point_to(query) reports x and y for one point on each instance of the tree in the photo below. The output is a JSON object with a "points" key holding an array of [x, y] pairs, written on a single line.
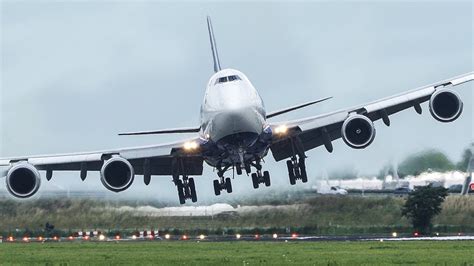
{"points": [[422, 205], [420, 162]]}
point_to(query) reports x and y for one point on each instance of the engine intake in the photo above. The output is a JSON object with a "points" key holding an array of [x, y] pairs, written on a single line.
{"points": [[117, 174], [445, 105], [23, 180], [358, 131]]}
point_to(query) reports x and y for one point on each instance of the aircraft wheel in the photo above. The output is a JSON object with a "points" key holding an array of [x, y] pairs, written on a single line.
{"points": [[304, 176], [255, 180], [248, 169], [192, 188], [217, 188], [228, 185], [180, 188], [266, 177], [291, 173], [238, 168]]}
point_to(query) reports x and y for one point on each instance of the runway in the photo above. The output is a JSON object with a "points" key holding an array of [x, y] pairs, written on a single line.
{"points": [[233, 238]]}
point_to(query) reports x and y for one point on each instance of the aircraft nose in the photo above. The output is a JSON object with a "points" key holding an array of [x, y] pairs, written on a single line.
{"points": [[237, 124]]}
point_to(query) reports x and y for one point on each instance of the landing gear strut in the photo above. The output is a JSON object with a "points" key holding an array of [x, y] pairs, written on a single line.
{"points": [[297, 169], [186, 189], [223, 183], [258, 177]]}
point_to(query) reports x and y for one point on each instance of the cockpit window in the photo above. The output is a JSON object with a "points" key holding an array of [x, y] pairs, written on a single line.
{"points": [[228, 79]]}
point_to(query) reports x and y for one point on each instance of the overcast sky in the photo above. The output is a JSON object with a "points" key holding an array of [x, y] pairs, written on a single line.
{"points": [[76, 74]]}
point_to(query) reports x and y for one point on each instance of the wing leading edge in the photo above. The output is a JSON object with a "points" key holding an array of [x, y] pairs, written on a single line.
{"points": [[315, 131]]}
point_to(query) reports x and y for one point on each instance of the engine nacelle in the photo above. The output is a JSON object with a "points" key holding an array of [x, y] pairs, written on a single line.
{"points": [[445, 105], [117, 174], [358, 131], [23, 180]]}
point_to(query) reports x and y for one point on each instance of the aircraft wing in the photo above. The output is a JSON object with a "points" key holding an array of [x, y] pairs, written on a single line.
{"points": [[308, 133], [158, 158]]}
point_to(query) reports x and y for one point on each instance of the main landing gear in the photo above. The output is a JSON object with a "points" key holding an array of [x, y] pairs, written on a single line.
{"points": [[186, 188], [297, 169], [258, 177], [223, 183]]}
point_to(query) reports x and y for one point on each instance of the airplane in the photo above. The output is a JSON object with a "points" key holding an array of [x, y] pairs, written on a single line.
{"points": [[234, 134]]}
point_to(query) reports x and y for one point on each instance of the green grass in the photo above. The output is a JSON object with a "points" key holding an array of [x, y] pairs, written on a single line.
{"points": [[242, 253]]}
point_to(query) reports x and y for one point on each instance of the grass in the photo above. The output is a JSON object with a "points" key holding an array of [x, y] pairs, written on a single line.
{"points": [[324, 214], [242, 253]]}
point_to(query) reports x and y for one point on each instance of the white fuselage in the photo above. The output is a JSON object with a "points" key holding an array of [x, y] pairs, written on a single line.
{"points": [[232, 113]]}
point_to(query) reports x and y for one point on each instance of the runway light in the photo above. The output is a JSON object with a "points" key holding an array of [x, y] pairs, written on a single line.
{"points": [[185, 237], [167, 236], [394, 234], [101, 237], [294, 235], [55, 238], [257, 236], [10, 239], [117, 237], [40, 238], [87, 238], [190, 145], [437, 234], [134, 237], [26, 239], [202, 237], [281, 130], [416, 234], [238, 236], [71, 238], [275, 236]]}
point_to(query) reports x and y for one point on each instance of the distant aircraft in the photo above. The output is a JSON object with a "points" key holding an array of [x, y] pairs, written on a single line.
{"points": [[234, 135]]}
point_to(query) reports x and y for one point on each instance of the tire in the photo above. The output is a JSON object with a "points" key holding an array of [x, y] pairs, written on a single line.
{"points": [[228, 185], [266, 177], [248, 169], [255, 180], [291, 173], [304, 176], [192, 188], [217, 189], [238, 169], [180, 188]]}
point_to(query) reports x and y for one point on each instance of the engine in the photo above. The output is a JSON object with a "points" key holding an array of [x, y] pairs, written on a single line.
{"points": [[445, 105], [358, 131], [117, 174], [23, 180]]}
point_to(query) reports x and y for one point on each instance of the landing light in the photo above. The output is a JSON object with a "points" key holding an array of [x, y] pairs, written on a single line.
{"points": [[190, 145], [281, 130]]}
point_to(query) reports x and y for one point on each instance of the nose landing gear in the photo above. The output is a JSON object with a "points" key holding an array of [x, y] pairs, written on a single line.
{"points": [[259, 177], [222, 183]]}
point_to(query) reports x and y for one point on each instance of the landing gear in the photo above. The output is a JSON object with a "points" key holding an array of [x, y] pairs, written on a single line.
{"points": [[297, 169], [259, 178], [223, 183], [186, 189]]}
